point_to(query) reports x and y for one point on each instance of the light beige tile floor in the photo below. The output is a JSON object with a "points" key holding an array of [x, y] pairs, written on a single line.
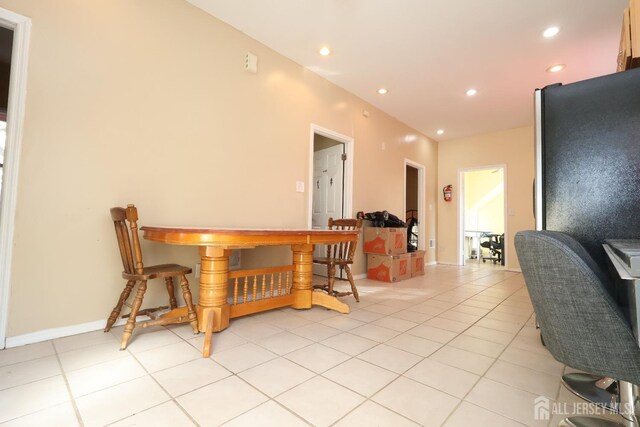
{"points": [[456, 347]]}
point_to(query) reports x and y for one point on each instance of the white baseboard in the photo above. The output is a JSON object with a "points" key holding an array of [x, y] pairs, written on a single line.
{"points": [[360, 276], [432, 263], [61, 332], [448, 263]]}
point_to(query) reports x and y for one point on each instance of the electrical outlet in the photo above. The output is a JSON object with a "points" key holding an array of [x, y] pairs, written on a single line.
{"points": [[197, 270], [251, 62], [432, 243]]}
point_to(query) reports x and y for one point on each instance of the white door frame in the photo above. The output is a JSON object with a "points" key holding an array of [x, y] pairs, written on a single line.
{"points": [[347, 196], [421, 207], [21, 27], [460, 245]]}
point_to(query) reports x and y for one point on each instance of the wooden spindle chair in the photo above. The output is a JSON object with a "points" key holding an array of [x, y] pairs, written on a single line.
{"points": [[340, 255], [135, 272]]}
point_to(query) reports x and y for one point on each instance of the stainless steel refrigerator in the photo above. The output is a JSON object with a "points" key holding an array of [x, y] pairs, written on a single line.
{"points": [[588, 159]]}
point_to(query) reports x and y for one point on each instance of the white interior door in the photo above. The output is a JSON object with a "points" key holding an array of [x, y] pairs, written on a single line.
{"points": [[328, 191]]}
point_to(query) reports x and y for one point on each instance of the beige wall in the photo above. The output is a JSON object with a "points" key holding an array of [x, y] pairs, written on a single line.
{"points": [[483, 203], [513, 148], [147, 101]]}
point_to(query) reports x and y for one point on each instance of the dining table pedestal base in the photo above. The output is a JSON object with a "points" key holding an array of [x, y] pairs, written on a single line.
{"points": [[224, 295]]}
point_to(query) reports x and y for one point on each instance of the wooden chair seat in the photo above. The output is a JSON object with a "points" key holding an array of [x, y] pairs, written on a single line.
{"points": [[340, 255], [136, 273], [158, 271]]}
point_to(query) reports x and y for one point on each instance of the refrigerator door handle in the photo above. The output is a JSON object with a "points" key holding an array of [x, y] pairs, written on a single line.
{"points": [[538, 200]]}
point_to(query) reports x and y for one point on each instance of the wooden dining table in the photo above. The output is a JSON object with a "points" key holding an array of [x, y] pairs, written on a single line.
{"points": [[255, 290]]}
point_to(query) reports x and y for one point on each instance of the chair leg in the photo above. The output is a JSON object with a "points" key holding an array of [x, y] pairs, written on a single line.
{"points": [[131, 323], [331, 277], [354, 290], [186, 294], [118, 308], [629, 408], [172, 295], [594, 389]]}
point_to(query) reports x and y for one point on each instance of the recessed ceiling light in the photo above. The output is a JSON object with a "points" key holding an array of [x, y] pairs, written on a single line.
{"points": [[382, 91], [550, 32], [324, 51], [471, 92], [555, 68], [440, 131]]}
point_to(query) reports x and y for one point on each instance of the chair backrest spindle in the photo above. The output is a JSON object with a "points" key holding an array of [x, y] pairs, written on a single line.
{"points": [[128, 240], [343, 250]]}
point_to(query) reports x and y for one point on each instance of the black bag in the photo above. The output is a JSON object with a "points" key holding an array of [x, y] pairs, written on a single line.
{"points": [[382, 219]]}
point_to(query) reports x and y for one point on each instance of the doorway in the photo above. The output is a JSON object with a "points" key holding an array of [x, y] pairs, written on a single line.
{"points": [[330, 184], [6, 44], [15, 30], [482, 216], [414, 185]]}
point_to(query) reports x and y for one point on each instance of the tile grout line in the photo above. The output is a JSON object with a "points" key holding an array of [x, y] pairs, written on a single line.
{"points": [[316, 375], [402, 374], [460, 400], [423, 358], [377, 344], [495, 359], [236, 374], [76, 410], [171, 398], [483, 376], [147, 373]]}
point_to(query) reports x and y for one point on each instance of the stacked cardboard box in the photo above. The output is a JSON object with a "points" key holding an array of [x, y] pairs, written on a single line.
{"points": [[389, 268], [385, 241], [387, 257], [417, 263]]}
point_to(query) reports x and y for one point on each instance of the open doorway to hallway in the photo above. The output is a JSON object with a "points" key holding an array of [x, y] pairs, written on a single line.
{"points": [[414, 204], [483, 221], [6, 45]]}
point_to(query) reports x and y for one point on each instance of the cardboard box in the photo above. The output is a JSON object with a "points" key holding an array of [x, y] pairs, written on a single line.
{"points": [[385, 241], [417, 263], [389, 268]]}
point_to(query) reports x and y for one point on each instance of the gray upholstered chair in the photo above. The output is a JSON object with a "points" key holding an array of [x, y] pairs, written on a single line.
{"points": [[582, 325]]}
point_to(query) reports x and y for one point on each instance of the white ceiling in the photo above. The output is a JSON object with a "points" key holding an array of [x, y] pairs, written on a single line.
{"points": [[427, 53]]}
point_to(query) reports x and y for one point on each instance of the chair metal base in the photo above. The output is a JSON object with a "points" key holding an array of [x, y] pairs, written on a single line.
{"points": [[588, 422], [594, 389]]}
